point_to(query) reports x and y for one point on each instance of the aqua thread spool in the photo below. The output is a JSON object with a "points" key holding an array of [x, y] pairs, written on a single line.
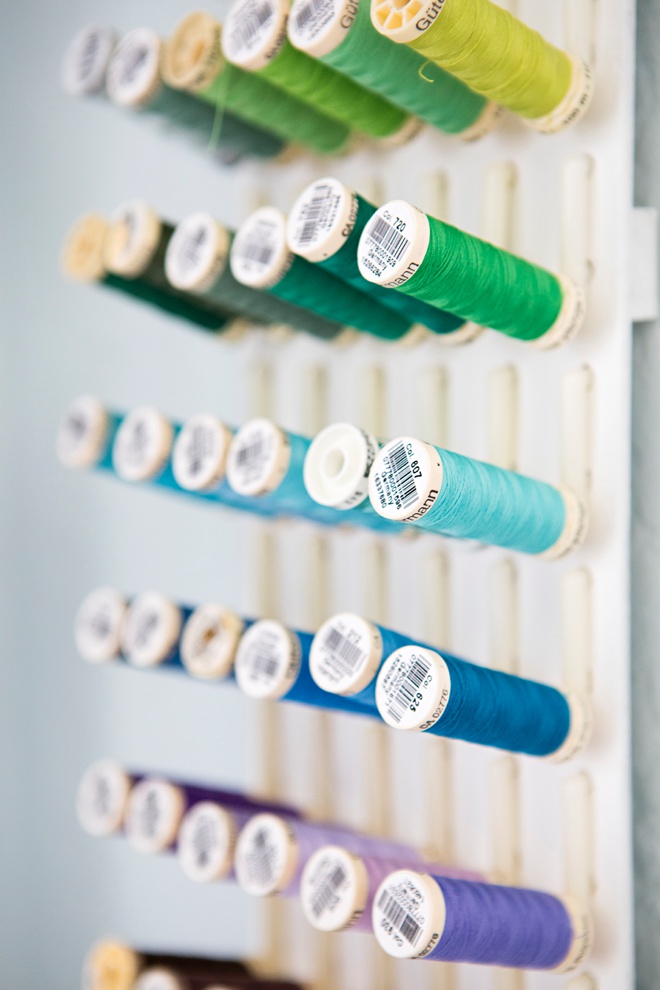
{"points": [[494, 53], [324, 227], [86, 60], [260, 258], [404, 249], [447, 493], [210, 640], [194, 62], [151, 631], [255, 39], [341, 35], [197, 262], [417, 916]]}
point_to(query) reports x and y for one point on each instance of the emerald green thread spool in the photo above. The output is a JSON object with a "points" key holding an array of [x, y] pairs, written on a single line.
{"points": [[340, 34], [494, 53], [194, 61], [255, 39], [405, 250], [260, 258]]}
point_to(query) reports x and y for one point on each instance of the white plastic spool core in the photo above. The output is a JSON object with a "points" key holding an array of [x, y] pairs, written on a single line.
{"points": [[83, 434], [209, 641], [98, 625], [155, 810], [206, 841], [345, 654], [134, 71], [132, 238], [337, 466], [197, 253], [86, 60], [259, 256], [142, 445], [254, 32], [199, 455], [408, 914], [321, 219], [259, 457], [266, 855], [333, 889], [151, 628], [267, 660], [102, 798]]}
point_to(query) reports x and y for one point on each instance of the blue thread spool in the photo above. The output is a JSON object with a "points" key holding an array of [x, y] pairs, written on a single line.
{"points": [[86, 434], [417, 916], [272, 661], [447, 493], [98, 625], [151, 631], [210, 640]]}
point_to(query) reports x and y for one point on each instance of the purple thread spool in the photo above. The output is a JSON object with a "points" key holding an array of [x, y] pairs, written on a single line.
{"points": [[417, 916], [271, 851], [337, 889], [102, 797]]}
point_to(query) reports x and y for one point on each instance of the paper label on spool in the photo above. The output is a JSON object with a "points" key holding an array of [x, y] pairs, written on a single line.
{"points": [[254, 32], [393, 244], [259, 458], [317, 27], [159, 979], [102, 798], [321, 219], [333, 889], [82, 436], [345, 655], [134, 70], [408, 915], [142, 445], [98, 625], [199, 456], [155, 809], [197, 253], [86, 60], [405, 480], [259, 255], [266, 855], [151, 629], [209, 641], [413, 688], [268, 660], [205, 844]]}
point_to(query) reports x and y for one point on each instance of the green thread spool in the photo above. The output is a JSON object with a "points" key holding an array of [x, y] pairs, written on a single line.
{"points": [[325, 225], [86, 60], [193, 61], [254, 38], [83, 260], [404, 249], [260, 258], [493, 53], [134, 80], [197, 261], [340, 33]]}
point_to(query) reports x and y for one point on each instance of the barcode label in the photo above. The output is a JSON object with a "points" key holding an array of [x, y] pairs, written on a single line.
{"points": [[248, 24], [198, 449], [344, 649], [325, 898], [403, 480], [261, 859], [251, 452], [309, 18], [189, 247], [386, 242], [313, 215], [399, 917], [133, 60], [144, 628], [88, 55], [256, 250], [264, 663], [408, 689]]}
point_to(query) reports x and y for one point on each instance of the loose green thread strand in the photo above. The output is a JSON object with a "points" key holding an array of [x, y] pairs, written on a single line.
{"points": [[497, 55], [397, 73], [485, 284], [257, 101]]}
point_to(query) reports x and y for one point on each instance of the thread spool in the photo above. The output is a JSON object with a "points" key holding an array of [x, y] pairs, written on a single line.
{"points": [[83, 260], [260, 258], [493, 53], [151, 631], [98, 625], [86, 60], [457, 496], [134, 80], [404, 249], [197, 262], [417, 916], [271, 851], [86, 434], [255, 38], [194, 62], [113, 965], [102, 798], [210, 640], [272, 662], [341, 35], [165, 978], [142, 446], [324, 227], [338, 888]]}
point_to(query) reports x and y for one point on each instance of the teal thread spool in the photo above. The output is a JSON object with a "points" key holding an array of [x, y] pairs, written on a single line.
{"points": [[197, 262], [86, 434], [404, 249], [438, 490], [134, 81], [194, 62], [83, 260], [340, 34], [260, 258], [255, 39], [324, 227]]}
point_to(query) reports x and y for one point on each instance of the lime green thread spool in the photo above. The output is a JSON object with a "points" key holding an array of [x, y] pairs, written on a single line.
{"points": [[193, 61], [255, 39], [403, 249], [197, 261], [260, 258], [340, 33], [493, 53]]}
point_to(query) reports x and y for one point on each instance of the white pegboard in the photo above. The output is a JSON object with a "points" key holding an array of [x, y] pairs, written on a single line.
{"points": [[565, 202]]}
